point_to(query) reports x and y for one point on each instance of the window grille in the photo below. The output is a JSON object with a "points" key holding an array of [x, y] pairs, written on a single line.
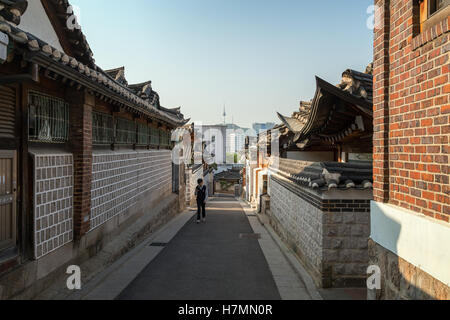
{"points": [[154, 136], [164, 138], [48, 119], [125, 131], [143, 134], [102, 128]]}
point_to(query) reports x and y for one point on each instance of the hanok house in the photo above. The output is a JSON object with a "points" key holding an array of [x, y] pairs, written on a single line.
{"points": [[227, 181], [196, 162], [319, 189], [410, 237], [83, 154]]}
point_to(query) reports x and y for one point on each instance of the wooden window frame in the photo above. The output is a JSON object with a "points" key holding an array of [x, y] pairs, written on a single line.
{"points": [[141, 133], [107, 131], [427, 19], [131, 131], [57, 118], [154, 134], [8, 244]]}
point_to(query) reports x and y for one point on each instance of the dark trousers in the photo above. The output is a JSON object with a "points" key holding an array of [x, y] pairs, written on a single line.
{"points": [[201, 210]]}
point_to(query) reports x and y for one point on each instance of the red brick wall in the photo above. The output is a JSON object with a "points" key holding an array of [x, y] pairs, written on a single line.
{"points": [[411, 111]]}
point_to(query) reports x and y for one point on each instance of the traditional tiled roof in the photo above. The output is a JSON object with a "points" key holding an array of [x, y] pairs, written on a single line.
{"points": [[230, 174], [326, 175], [145, 91], [12, 10], [118, 75], [76, 73], [335, 113], [358, 84]]}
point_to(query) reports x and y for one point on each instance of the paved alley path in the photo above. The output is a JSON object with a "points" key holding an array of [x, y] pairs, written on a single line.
{"points": [[217, 260]]}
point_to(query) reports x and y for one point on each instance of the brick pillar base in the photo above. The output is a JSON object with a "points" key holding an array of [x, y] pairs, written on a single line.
{"points": [[80, 140], [381, 103]]}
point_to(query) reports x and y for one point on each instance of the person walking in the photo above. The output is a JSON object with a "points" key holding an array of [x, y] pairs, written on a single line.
{"points": [[201, 192]]}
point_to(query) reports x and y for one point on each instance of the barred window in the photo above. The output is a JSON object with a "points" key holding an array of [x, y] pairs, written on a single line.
{"points": [[48, 119], [164, 138], [154, 136], [102, 128], [125, 131], [143, 134]]}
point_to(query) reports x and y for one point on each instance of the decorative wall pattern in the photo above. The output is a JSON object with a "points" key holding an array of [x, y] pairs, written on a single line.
{"points": [[53, 202], [119, 178]]}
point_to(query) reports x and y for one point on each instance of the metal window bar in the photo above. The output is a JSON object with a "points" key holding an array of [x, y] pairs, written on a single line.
{"points": [[102, 128], [143, 134], [154, 136], [163, 137], [48, 119], [125, 131]]}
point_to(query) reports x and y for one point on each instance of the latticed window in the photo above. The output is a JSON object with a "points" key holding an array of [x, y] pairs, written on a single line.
{"points": [[125, 131], [154, 136], [48, 118], [143, 134], [102, 128], [164, 138]]}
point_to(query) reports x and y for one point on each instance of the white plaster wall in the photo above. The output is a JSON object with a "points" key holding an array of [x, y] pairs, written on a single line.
{"points": [[36, 22], [191, 183], [423, 242]]}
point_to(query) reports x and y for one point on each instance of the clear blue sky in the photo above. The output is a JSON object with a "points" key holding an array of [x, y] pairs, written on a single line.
{"points": [[255, 56]]}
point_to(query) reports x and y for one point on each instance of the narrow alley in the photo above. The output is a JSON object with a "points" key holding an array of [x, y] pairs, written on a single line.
{"points": [[230, 257]]}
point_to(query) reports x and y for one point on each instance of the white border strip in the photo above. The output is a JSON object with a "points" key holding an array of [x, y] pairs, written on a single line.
{"points": [[423, 242]]}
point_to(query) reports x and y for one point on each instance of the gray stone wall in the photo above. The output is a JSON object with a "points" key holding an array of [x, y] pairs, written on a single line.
{"points": [[300, 223], [400, 280], [329, 233], [346, 232]]}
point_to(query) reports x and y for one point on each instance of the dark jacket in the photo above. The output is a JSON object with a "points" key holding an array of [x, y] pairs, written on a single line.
{"points": [[201, 193]]}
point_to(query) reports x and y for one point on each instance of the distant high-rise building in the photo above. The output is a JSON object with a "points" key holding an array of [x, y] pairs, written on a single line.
{"points": [[258, 127], [236, 138]]}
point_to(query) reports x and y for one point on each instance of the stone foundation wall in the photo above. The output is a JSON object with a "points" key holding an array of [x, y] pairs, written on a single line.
{"points": [[401, 280], [299, 223], [328, 232]]}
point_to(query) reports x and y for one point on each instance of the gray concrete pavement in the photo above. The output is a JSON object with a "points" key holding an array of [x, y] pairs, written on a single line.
{"points": [[221, 259]]}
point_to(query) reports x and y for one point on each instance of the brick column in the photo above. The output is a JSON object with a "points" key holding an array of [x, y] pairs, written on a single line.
{"points": [[381, 102], [80, 140]]}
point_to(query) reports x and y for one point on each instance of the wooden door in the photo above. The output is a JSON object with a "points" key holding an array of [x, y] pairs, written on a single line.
{"points": [[8, 186]]}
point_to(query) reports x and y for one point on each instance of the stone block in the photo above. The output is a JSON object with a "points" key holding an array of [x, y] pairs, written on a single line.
{"points": [[339, 269], [362, 218], [357, 230], [330, 256], [345, 230], [360, 256], [349, 217]]}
